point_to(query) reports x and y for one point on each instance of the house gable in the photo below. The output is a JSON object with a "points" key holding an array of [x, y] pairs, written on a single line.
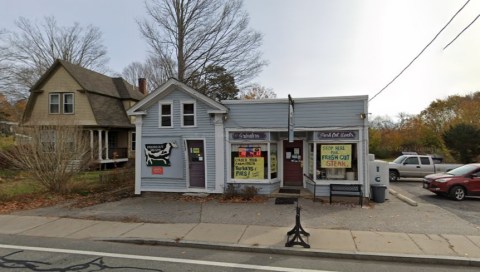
{"points": [[165, 89], [58, 81], [98, 100]]}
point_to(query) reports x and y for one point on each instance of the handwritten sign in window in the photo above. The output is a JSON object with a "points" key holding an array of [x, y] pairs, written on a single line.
{"points": [[336, 156], [249, 168]]}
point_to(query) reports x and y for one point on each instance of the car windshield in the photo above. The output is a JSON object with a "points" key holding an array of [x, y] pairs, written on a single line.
{"points": [[462, 170], [399, 160]]}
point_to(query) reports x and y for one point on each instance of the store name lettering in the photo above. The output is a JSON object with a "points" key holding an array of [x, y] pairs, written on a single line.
{"points": [[249, 136], [337, 135]]}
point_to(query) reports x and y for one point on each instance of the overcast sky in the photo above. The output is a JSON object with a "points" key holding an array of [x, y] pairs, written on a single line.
{"points": [[317, 48]]}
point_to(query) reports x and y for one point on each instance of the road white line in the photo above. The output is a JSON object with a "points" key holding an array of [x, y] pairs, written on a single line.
{"points": [[159, 259]]}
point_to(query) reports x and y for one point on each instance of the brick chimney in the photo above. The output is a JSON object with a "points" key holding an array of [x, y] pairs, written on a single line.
{"points": [[142, 85]]}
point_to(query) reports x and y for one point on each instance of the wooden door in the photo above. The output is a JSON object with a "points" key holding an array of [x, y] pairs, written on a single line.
{"points": [[293, 163], [196, 163]]}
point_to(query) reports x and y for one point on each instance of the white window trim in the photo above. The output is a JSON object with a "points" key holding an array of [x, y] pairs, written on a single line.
{"points": [[63, 103], [194, 113], [160, 115], [50, 103]]}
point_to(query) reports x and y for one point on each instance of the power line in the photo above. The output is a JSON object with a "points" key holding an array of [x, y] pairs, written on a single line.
{"points": [[421, 52], [462, 32]]}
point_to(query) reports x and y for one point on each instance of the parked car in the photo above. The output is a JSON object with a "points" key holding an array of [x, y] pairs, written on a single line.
{"points": [[457, 183], [417, 166]]}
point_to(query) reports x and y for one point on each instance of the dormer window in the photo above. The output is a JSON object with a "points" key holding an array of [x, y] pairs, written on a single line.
{"points": [[61, 103], [188, 114]]}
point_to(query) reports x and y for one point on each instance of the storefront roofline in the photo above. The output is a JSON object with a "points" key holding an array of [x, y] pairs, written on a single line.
{"points": [[296, 129], [297, 100]]}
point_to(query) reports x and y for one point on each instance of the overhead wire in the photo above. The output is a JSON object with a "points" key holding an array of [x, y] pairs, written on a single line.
{"points": [[461, 32], [421, 52]]}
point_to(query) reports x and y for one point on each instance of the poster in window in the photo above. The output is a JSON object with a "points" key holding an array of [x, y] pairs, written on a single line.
{"points": [[248, 168], [247, 152], [273, 163], [336, 156]]}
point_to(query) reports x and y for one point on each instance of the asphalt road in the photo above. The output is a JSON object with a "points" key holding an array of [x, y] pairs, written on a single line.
{"points": [[468, 209], [48, 254]]}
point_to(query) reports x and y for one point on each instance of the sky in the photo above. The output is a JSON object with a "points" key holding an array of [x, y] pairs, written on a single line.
{"points": [[317, 48]]}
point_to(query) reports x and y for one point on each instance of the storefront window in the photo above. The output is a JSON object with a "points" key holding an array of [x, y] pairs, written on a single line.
{"points": [[337, 161], [273, 161], [249, 161]]}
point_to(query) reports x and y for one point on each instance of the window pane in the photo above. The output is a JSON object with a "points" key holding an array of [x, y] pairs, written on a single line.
{"points": [[133, 141], [68, 98], [188, 109], [188, 120], [166, 109], [54, 108], [166, 121], [54, 98], [68, 108]]}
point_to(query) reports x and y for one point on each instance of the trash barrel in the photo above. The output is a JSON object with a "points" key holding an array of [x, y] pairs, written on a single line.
{"points": [[378, 192]]}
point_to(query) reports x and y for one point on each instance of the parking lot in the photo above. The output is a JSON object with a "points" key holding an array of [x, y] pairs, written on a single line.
{"points": [[468, 209]]}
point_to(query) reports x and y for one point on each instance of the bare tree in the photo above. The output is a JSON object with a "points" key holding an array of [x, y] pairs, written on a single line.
{"points": [[257, 91], [155, 70], [4, 58], [51, 154], [201, 33], [34, 48]]}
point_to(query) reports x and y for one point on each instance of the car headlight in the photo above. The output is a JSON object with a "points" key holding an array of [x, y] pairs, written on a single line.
{"points": [[442, 180]]}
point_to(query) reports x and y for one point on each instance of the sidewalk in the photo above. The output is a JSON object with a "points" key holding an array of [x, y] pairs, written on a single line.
{"points": [[388, 246], [390, 231]]}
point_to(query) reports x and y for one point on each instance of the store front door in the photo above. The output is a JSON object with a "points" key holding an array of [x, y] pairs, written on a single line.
{"points": [[293, 163], [196, 163]]}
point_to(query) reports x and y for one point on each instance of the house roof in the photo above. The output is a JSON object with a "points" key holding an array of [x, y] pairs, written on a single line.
{"points": [[108, 111], [173, 84], [94, 82], [104, 93]]}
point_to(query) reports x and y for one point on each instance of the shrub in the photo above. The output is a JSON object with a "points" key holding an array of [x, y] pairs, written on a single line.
{"points": [[230, 191], [249, 192], [51, 154]]}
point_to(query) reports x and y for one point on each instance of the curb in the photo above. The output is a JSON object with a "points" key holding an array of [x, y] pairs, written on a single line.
{"points": [[354, 255], [403, 198]]}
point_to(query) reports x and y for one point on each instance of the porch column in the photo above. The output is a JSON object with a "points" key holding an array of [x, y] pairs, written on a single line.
{"points": [[91, 144], [99, 144], [219, 154], [106, 144], [138, 154]]}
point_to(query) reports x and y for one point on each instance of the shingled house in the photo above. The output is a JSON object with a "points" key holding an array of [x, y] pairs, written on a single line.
{"points": [[92, 100]]}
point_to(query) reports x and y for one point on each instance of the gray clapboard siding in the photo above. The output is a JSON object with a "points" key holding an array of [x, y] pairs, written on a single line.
{"points": [[204, 130], [315, 114]]}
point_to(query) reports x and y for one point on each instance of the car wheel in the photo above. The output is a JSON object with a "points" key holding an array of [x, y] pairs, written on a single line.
{"points": [[458, 193], [393, 176]]}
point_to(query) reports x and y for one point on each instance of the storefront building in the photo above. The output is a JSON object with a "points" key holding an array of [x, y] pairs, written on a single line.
{"points": [[187, 142]]}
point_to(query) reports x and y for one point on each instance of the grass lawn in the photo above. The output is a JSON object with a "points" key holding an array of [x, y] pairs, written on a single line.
{"points": [[6, 141], [19, 191]]}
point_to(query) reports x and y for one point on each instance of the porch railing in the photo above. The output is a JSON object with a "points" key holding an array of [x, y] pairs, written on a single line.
{"points": [[116, 153]]}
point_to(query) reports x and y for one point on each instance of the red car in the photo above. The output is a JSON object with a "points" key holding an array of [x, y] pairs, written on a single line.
{"points": [[457, 183]]}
